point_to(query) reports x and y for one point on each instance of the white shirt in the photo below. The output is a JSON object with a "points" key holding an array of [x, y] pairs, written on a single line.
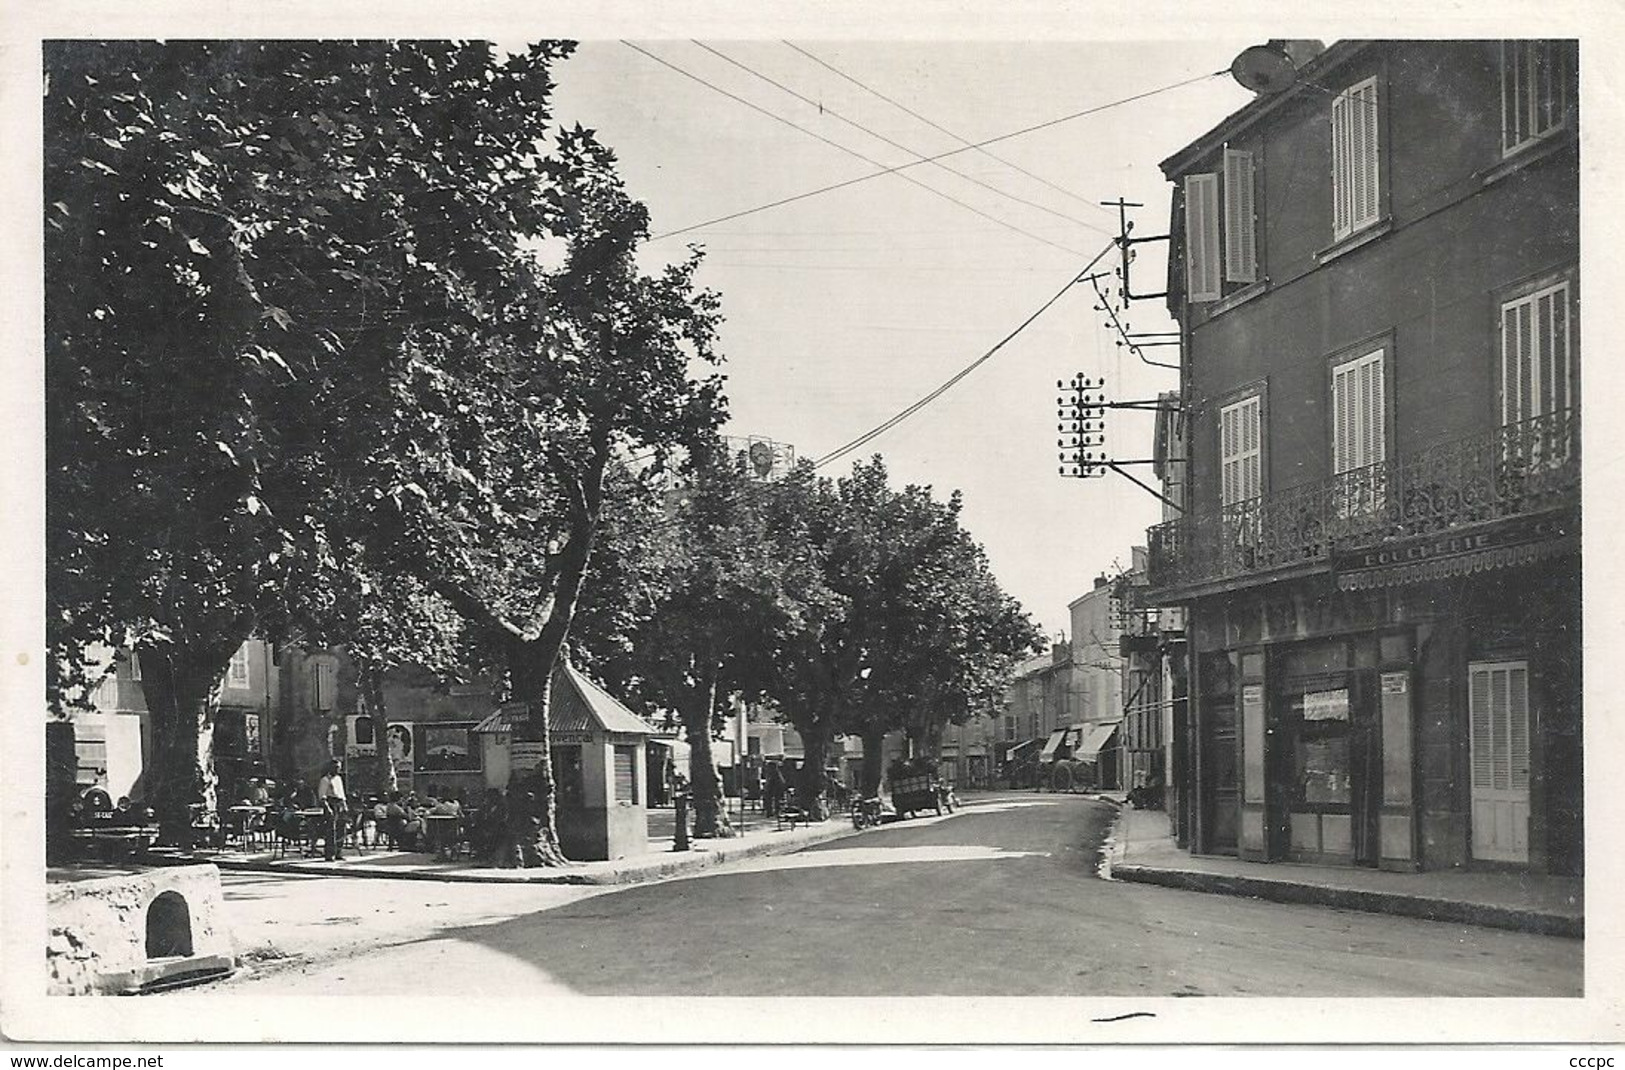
{"points": [[330, 786]]}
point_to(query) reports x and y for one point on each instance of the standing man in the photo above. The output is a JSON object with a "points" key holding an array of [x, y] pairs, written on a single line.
{"points": [[330, 795]]}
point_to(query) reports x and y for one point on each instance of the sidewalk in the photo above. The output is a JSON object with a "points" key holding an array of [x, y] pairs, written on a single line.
{"points": [[759, 838], [1142, 849]]}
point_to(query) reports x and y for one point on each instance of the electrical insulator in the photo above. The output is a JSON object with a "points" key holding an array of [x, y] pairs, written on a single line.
{"points": [[1082, 415]]}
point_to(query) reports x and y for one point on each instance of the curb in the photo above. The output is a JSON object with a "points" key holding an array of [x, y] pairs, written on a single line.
{"points": [[1114, 867], [676, 864], [1415, 906]]}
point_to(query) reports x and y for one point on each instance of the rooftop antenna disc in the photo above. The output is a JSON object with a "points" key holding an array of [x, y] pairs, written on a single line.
{"points": [[1265, 69]]}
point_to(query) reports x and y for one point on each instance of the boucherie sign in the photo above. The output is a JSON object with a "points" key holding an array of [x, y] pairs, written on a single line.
{"points": [[1515, 531]]}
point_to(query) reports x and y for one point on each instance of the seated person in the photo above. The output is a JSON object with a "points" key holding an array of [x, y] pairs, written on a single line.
{"points": [[365, 823], [257, 793]]}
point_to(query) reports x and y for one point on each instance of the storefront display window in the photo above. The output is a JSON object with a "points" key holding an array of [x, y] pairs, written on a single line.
{"points": [[1317, 716]]}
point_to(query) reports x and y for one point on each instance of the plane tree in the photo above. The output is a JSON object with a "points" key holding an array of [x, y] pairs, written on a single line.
{"points": [[251, 249]]}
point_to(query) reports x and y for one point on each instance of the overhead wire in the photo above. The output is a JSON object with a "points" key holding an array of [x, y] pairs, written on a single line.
{"points": [[837, 145], [826, 110], [886, 425], [944, 130], [912, 163]]}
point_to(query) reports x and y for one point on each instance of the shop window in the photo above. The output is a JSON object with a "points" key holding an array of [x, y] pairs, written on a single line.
{"points": [[626, 782], [1317, 718], [568, 787]]}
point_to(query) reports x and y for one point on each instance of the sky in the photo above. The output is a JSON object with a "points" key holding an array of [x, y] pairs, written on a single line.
{"points": [[845, 307]]}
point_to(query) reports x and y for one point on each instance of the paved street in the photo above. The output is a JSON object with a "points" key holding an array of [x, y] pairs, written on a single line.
{"points": [[1000, 899]]}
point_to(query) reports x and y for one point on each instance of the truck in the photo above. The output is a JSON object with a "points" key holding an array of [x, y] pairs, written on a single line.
{"points": [[1073, 758]]}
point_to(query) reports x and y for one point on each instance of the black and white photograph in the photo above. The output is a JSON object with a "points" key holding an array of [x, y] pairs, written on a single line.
{"points": [[977, 529]]}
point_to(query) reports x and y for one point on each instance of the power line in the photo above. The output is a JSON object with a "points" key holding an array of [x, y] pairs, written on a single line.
{"points": [[755, 490], [837, 145], [913, 163], [887, 425], [825, 110], [942, 129]]}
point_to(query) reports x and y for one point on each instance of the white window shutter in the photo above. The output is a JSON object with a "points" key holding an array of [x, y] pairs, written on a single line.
{"points": [[1341, 424], [1340, 166], [1240, 247], [1356, 164], [1370, 171], [1202, 237], [1251, 487], [1240, 452]]}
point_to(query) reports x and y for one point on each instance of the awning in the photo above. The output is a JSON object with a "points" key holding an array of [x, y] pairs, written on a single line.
{"points": [[1095, 738], [1021, 750], [1056, 738]]}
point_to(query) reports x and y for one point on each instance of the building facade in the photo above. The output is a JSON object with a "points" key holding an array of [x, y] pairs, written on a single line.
{"points": [[1375, 272]]}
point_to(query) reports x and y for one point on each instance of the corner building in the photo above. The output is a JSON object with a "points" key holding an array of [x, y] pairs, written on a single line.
{"points": [[1375, 272]]}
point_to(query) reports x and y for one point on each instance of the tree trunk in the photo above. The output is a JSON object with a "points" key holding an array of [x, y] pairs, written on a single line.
{"points": [[705, 783], [874, 743], [181, 688], [814, 747], [531, 838], [710, 819]]}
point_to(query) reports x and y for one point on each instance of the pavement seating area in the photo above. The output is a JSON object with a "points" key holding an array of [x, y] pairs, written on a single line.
{"points": [[761, 835], [1142, 849]]}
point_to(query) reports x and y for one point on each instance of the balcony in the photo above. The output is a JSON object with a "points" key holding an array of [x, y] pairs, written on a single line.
{"points": [[1464, 486]]}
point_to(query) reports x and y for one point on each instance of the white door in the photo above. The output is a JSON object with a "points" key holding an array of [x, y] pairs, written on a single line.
{"points": [[1498, 717]]}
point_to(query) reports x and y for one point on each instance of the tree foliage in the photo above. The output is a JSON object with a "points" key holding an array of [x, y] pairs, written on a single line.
{"points": [[247, 243]]}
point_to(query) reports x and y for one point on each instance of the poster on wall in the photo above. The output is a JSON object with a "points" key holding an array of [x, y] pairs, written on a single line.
{"points": [[1326, 705], [447, 748], [524, 756], [398, 746], [362, 738], [251, 734]]}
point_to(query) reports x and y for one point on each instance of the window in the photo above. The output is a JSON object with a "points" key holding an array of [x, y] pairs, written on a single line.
{"points": [[135, 666], [1240, 451], [1240, 245], [568, 787], [626, 780], [105, 695], [324, 683], [1010, 728], [1359, 432], [1202, 237], [237, 674], [1534, 92], [1210, 263], [1356, 187], [1537, 375]]}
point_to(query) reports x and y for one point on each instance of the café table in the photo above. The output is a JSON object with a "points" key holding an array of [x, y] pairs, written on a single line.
{"points": [[442, 834], [247, 820], [314, 823]]}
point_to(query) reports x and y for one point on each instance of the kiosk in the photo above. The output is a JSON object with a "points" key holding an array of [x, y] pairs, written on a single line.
{"points": [[599, 766]]}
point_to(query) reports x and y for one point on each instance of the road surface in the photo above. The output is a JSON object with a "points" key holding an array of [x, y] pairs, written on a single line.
{"points": [[1000, 899]]}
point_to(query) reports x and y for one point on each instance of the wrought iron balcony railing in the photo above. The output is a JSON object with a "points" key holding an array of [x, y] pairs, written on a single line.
{"points": [[1515, 470]]}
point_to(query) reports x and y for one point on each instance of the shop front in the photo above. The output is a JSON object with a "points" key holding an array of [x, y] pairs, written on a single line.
{"points": [[1423, 725]]}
